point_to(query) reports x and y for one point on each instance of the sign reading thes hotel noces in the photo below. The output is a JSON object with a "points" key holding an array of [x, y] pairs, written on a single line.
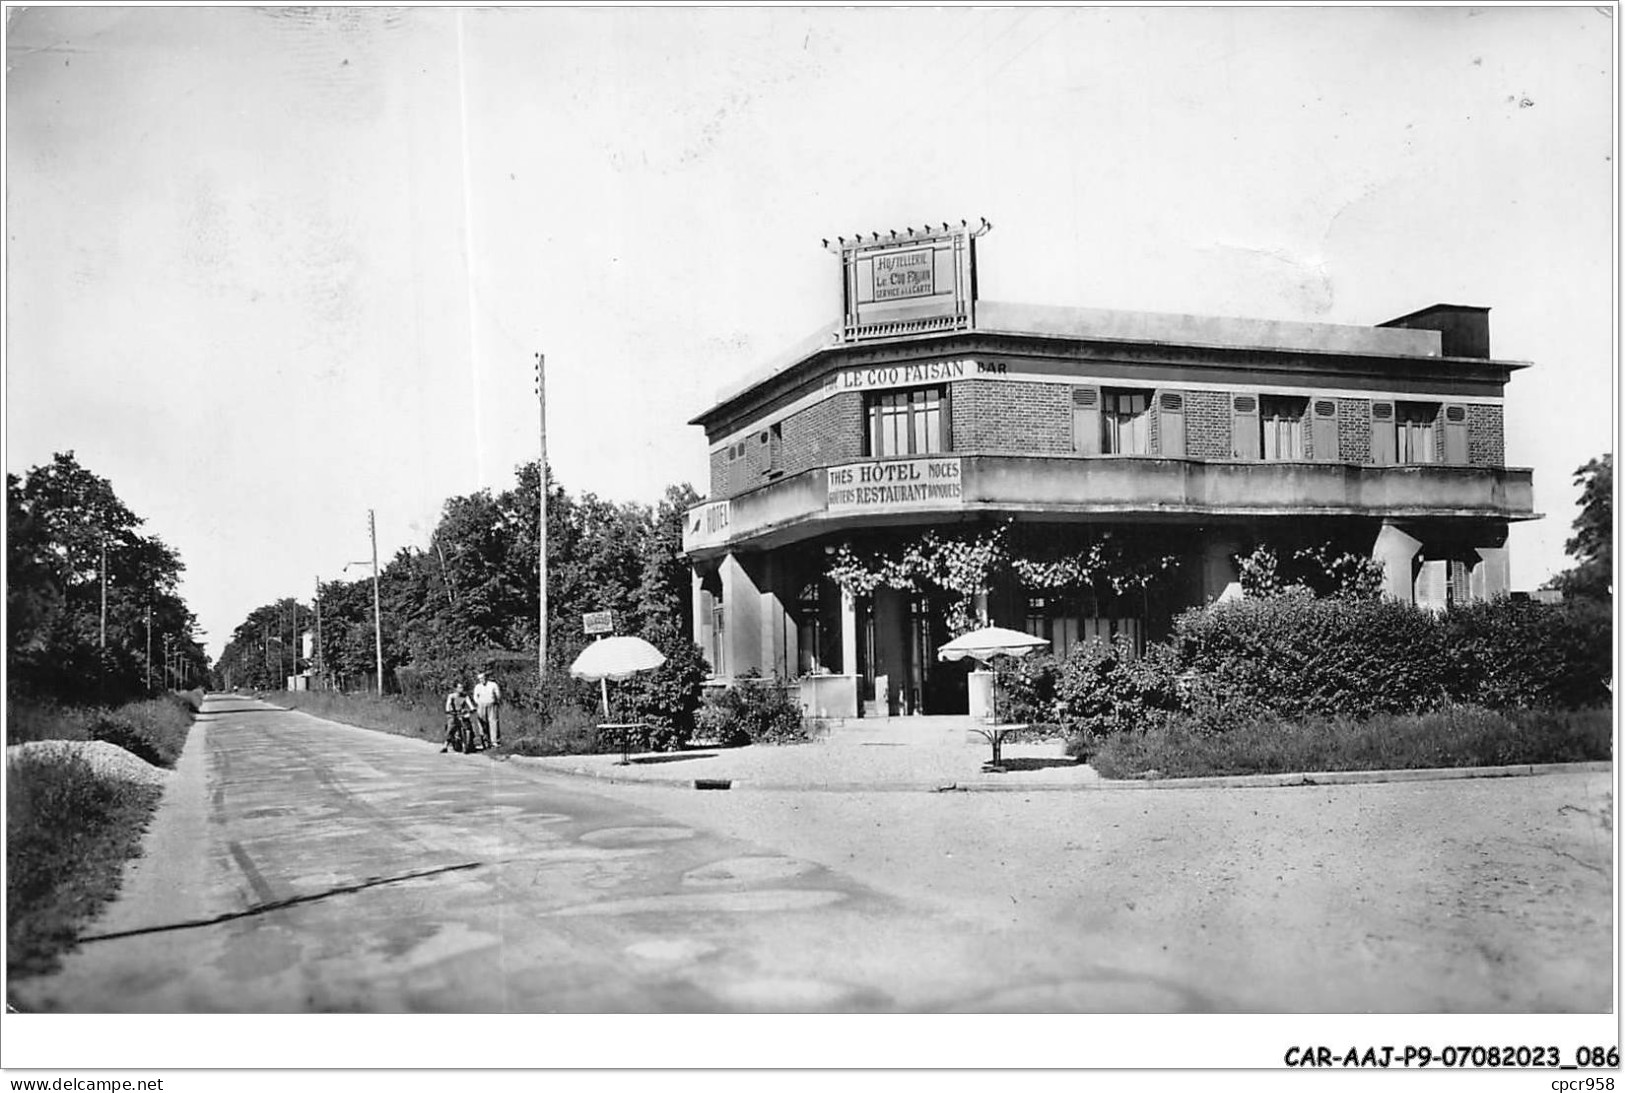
{"points": [[895, 483], [903, 274]]}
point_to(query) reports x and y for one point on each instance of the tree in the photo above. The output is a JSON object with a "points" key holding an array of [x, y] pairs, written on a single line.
{"points": [[1592, 544], [62, 522]]}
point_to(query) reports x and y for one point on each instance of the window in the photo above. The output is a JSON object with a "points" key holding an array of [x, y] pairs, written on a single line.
{"points": [[1282, 422], [907, 423], [1413, 423], [1125, 423], [809, 639]]}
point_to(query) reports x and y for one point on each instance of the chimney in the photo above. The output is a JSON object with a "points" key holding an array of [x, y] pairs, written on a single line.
{"points": [[1464, 331]]}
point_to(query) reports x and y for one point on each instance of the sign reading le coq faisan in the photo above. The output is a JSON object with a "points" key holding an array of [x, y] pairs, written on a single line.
{"points": [[899, 483], [598, 622], [903, 375]]}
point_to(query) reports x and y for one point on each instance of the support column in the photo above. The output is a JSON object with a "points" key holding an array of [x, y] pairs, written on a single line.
{"points": [[1220, 579], [1492, 575], [849, 635], [1433, 584], [778, 631], [1394, 550], [742, 619], [701, 623]]}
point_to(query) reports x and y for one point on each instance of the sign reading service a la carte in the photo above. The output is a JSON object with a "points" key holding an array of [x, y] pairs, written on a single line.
{"points": [[598, 622], [903, 274], [925, 483]]}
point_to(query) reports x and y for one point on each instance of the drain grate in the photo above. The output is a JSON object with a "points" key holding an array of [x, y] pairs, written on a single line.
{"points": [[713, 783]]}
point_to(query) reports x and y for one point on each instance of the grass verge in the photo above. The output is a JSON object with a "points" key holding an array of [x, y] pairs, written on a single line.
{"points": [[70, 830], [1460, 737], [567, 731]]}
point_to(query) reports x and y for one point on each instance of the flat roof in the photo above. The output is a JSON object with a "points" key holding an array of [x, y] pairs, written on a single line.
{"points": [[1140, 327]]}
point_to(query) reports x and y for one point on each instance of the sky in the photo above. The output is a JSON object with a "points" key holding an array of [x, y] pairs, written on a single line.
{"points": [[269, 269]]}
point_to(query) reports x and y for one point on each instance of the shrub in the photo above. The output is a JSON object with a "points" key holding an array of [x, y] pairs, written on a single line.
{"points": [[570, 731], [665, 700], [753, 711], [1026, 688], [1511, 654], [1295, 655], [154, 729], [1458, 736], [28, 720], [68, 834], [1104, 688]]}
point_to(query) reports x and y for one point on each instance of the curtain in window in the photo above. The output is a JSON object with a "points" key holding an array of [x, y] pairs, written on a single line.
{"points": [[1414, 429], [1126, 423]]}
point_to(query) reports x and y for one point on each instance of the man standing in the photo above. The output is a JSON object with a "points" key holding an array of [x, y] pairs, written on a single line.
{"points": [[487, 697]]}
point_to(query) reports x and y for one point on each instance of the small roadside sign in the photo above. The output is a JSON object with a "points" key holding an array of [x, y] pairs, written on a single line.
{"points": [[598, 622]]}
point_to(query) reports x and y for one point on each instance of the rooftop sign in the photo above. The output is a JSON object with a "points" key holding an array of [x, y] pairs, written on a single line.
{"points": [[909, 282]]}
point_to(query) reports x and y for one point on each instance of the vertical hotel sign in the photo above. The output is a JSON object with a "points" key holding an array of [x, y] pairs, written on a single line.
{"points": [[707, 525], [916, 281]]}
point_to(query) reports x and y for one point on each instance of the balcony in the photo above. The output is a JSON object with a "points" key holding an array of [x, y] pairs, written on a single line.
{"points": [[940, 489]]}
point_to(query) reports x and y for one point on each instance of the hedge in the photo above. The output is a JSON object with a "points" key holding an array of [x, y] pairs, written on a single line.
{"points": [[1294, 656]]}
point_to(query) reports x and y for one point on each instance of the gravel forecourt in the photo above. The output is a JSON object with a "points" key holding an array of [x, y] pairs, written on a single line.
{"points": [[1491, 895]]}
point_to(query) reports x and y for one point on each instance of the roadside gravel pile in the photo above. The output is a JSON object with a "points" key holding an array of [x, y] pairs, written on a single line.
{"points": [[107, 760]]}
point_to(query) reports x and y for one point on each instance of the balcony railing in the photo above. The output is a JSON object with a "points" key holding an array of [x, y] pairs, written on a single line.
{"points": [[1121, 487]]}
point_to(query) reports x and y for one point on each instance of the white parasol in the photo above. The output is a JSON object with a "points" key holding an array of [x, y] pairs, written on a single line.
{"points": [[990, 642], [984, 645], [616, 658]]}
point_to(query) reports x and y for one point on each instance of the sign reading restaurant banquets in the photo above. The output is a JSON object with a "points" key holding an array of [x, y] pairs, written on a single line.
{"points": [[895, 483]]}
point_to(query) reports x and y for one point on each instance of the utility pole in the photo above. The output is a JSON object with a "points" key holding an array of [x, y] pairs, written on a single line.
{"points": [[149, 643], [104, 594], [318, 671], [541, 524], [377, 616]]}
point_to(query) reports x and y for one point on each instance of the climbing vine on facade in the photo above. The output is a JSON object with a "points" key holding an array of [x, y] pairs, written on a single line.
{"points": [[966, 563]]}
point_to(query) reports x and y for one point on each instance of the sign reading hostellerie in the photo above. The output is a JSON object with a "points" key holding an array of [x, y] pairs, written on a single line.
{"points": [[895, 483], [901, 274], [598, 622]]}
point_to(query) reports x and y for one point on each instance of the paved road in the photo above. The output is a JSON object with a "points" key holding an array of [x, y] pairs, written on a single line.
{"points": [[300, 865]]}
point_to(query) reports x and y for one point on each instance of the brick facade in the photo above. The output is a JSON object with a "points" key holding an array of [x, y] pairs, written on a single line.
{"points": [[1354, 430], [998, 416], [1207, 425], [1024, 418], [1486, 442]]}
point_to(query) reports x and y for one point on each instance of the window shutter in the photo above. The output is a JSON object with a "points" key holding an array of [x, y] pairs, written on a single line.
{"points": [[1324, 414], [1383, 441], [1244, 435], [1171, 405], [1455, 434], [1086, 420]]}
